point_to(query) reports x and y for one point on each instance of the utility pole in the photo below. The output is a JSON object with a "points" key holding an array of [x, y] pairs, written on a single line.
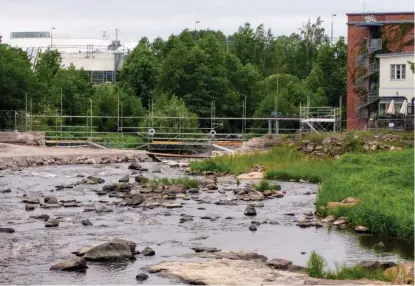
{"points": [[196, 22], [51, 36], [331, 31], [118, 116]]}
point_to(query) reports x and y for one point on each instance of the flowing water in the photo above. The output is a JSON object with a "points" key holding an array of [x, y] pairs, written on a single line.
{"points": [[27, 254]]}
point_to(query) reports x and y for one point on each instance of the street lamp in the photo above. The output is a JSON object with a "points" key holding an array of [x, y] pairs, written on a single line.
{"points": [[196, 22], [331, 33], [51, 36]]}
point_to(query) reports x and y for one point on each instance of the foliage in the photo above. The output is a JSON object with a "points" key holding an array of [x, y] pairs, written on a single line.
{"points": [[187, 182], [316, 268], [180, 118], [412, 66], [264, 185]]}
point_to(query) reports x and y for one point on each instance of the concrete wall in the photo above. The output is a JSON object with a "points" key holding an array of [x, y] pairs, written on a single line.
{"points": [[27, 138], [100, 62], [396, 87]]}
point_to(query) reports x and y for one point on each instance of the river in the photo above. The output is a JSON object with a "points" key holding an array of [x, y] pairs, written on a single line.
{"points": [[27, 254]]}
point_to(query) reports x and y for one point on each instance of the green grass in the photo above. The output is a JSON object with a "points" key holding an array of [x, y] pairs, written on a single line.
{"points": [[383, 181], [316, 268], [264, 185], [187, 182]]}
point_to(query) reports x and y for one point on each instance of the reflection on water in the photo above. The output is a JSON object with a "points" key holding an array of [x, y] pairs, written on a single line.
{"points": [[27, 254], [390, 245]]}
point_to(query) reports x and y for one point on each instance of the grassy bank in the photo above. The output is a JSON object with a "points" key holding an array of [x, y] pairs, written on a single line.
{"points": [[316, 267], [383, 181]]}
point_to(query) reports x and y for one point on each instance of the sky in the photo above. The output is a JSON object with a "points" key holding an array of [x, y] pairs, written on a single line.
{"points": [[152, 18]]}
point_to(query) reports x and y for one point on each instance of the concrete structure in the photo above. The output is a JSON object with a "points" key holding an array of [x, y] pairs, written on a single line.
{"points": [[396, 80], [370, 34], [26, 138], [93, 55]]}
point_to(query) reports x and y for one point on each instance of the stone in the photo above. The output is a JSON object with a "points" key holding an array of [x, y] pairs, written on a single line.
{"points": [[86, 222], [141, 277], [205, 249], [6, 230], [252, 227], [250, 211], [290, 214], [148, 251], [387, 264], [52, 223], [257, 223], [51, 200], [206, 217], [305, 224], [349, 200], [256, 204], [140, 179], [91, 161], [31, 200], [251, 176], [340, 222], [72, 264], [279, 264], [44, 217], [104, 209], [156, 171], [95, 180], [137, 200], [226, 203], [402, 273], [212, 187], [370, 265], [380, 245], [328, 219], [361, 229], [131, 244], [29, 207], [193, 191], [89, 208], [114, 250], [176, 189], [185, 218], [72, 205], [134, 166], [124, 179], [109, 188], [240, 255], [5, 191], [273, 222], [172, 205]]}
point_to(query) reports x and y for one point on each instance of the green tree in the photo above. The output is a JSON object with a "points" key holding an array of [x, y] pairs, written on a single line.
{"points": [[170, 117], [141, 71]]}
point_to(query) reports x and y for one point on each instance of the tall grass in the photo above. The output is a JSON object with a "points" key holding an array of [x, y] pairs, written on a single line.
{"points": [[187, 182], [316, 268], [264, 185]]}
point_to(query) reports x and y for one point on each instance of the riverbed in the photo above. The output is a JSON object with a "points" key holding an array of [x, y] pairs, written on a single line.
{"points": [[27, 254]]}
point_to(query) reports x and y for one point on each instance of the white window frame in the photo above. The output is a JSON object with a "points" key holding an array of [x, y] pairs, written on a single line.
{"points": [[398, 70]]}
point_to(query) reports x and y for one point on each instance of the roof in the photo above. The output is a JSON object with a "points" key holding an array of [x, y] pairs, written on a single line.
{"points": [[389, 55], [364, 23], [380, 13]]}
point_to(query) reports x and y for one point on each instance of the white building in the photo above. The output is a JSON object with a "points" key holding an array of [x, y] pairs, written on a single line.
{"points": [[396, 80], [93, 55]]}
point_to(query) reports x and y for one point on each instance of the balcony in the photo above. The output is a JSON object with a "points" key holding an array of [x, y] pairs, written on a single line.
{"points": [[375, 45]]}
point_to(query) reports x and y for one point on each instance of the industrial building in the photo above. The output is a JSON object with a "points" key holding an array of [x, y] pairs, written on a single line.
{"points": [[379, 48], [101, 58]]}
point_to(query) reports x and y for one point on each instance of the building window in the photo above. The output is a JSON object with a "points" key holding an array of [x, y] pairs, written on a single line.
{"points": [[398, 72]]}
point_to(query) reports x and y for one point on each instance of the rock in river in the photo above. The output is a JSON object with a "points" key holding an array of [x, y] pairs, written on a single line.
{"points": [[252, 227], [6, 230], [6, 191], [134, 166], [86, 222], [148, 251], [29, 207], [250, 211], [51, 200], [137, 200], [205, 249], [124, 179], [52, 223], [361, 229], [141, 277], [77, 263], [31, 200], [44, 217], [89, 208], [114, 250]]}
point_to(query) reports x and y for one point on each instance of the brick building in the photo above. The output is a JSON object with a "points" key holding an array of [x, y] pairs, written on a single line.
{"points": [[371, 34]]}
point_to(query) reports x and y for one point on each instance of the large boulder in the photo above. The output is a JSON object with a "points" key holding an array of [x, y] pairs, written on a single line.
{"points": [[124, 179], [240, 255], [134, 166], [52, 223], [76, 263], [148, 251], [280, 264], [114, 250]]}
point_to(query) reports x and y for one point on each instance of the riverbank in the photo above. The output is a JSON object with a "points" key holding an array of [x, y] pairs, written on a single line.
{"points": [[20, 156], [380, 181]]}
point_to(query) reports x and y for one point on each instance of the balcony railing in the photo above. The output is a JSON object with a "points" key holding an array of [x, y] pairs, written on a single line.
{"points": [[375, 45]]}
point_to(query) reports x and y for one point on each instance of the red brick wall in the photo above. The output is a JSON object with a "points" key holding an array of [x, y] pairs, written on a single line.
{"points": [[355, 36]]}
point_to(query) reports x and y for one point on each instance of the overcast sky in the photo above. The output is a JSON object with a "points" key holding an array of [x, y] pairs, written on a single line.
{"points": [[152, 18]]}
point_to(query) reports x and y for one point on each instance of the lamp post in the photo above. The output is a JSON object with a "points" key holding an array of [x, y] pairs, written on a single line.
{"points": [[196, 22], [331, 32], [51, 36]]}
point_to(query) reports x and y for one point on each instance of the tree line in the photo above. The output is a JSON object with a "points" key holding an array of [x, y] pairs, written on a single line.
{"points": [[184, 74]]}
